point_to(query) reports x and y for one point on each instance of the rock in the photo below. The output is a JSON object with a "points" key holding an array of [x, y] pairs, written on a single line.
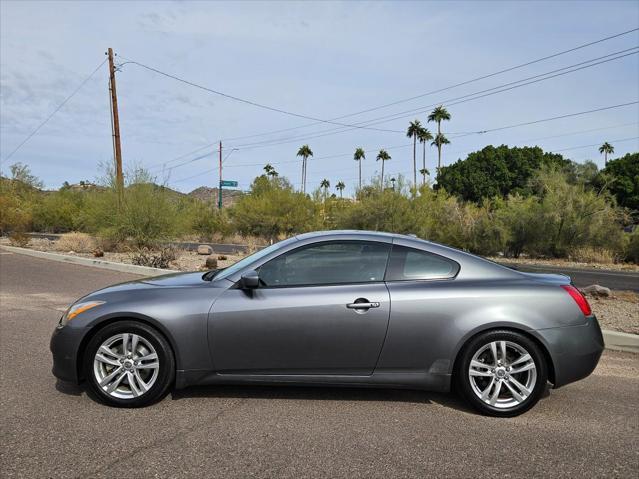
{"points": [[98, 253], [204, 249], [211, 262], [596, 290]]}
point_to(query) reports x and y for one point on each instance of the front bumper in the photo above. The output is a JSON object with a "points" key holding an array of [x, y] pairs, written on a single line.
{"points": [[574, 350], [65, 346]]}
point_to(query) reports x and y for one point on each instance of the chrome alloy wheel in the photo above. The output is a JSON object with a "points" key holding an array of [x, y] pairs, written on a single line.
{"points": [[126, 366], [502, 374]]}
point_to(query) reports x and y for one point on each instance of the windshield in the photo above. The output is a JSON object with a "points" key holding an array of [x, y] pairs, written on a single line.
{"points": [[244, 262]]}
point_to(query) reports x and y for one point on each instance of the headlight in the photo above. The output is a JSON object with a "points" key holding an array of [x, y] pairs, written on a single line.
{"points": [[77, 309]]}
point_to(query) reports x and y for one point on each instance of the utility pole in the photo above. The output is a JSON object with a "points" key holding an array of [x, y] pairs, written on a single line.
{"points": [[219, 189], [119, 177]]}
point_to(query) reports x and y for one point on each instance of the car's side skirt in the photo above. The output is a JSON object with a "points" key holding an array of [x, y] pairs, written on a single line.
{"points": [[396, 379]]}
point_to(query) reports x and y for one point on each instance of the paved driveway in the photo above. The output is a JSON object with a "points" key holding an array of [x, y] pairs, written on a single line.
{"points": [[588, 429]]}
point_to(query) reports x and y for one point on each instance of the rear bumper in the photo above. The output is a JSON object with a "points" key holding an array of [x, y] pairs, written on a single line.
{"points": [[65, 344], [574, 350]]}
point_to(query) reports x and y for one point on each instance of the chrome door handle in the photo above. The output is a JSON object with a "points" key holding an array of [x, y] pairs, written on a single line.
{"points": [[362, 305]]}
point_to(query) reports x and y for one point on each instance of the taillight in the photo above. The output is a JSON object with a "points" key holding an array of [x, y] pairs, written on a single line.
{"points": [[579, 298]]}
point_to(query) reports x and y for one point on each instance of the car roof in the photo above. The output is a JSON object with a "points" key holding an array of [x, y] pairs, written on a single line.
{"points": [[472, 266], [363, 233]]}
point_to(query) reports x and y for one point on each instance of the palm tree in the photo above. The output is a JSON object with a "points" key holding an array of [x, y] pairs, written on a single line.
{"points": [[360, 155], [424, 137], [326, 185], [606, 149], [304, 152], [424, 172], [340, 186], [384, 156], [414, 127], [270, 171], [438, 115], [439, 141]]}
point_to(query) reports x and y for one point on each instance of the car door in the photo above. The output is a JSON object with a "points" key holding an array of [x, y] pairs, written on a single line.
{"points": [[322, 308]]}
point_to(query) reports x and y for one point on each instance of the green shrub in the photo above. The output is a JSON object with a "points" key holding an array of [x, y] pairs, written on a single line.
{"points": [[205, 220], [631, 250], [571, 216], [57, 212], [146, 216], [521, 218], [15, 214], [273, 208], [378, 211]]}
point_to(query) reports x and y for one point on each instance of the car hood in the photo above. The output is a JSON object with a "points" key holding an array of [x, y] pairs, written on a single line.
{"points": [[173, 280], [176, 279]]}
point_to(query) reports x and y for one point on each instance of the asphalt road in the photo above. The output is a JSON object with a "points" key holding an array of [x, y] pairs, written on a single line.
{"points": [[581, 277], [588, 429]]}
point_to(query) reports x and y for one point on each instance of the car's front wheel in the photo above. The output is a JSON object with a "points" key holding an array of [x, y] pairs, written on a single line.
{"points": [[129, 364], [502, 373]]}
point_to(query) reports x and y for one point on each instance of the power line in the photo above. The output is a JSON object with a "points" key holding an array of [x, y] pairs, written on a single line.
{"points": [[470, 97], [543, 120], [453, 101], [450, 87], [248, 102], [457, 100], [558, 117], [46, 120], [595, 144]]}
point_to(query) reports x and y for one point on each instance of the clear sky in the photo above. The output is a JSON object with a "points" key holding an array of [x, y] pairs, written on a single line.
{"points": [[317, 59]]}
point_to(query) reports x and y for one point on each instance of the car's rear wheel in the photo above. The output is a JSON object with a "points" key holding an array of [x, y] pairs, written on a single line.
{"points": [[129, 364], [502, 373]]}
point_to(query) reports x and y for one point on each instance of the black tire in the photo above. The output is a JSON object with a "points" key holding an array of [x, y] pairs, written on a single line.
{"points": [[464, 385], [165, 374]]}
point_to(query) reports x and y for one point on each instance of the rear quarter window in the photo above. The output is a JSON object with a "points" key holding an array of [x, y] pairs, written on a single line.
{"points": [[409, 264]]}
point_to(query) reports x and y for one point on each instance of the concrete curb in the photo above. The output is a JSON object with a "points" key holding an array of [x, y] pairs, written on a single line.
{"points": [[96, 263], [621, 341]]}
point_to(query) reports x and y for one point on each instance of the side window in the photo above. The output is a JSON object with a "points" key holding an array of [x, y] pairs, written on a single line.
{"points": [[328, 263], [412, 264]]}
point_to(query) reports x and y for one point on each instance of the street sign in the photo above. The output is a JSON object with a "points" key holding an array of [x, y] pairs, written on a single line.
{"points": [[229, 183]]}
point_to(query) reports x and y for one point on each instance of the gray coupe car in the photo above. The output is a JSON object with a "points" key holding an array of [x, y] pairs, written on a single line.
{"points": [[337, 308]]}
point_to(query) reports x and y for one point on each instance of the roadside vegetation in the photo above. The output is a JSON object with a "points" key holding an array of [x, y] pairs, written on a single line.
{"points": [[498, 201]]}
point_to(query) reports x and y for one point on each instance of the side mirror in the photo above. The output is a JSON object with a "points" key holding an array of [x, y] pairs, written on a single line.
{"points": [[250, 280]]}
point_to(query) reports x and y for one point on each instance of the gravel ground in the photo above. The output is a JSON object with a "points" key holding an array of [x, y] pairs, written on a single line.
{"points": [[618, 313], [185, 261], [564, 263]]}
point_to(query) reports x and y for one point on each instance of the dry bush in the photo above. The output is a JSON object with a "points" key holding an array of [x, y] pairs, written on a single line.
{"points": [[78, 242], [155, 259], [108, 244], [20, 239], [587, 254], [252, 245], [237, 238]]}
